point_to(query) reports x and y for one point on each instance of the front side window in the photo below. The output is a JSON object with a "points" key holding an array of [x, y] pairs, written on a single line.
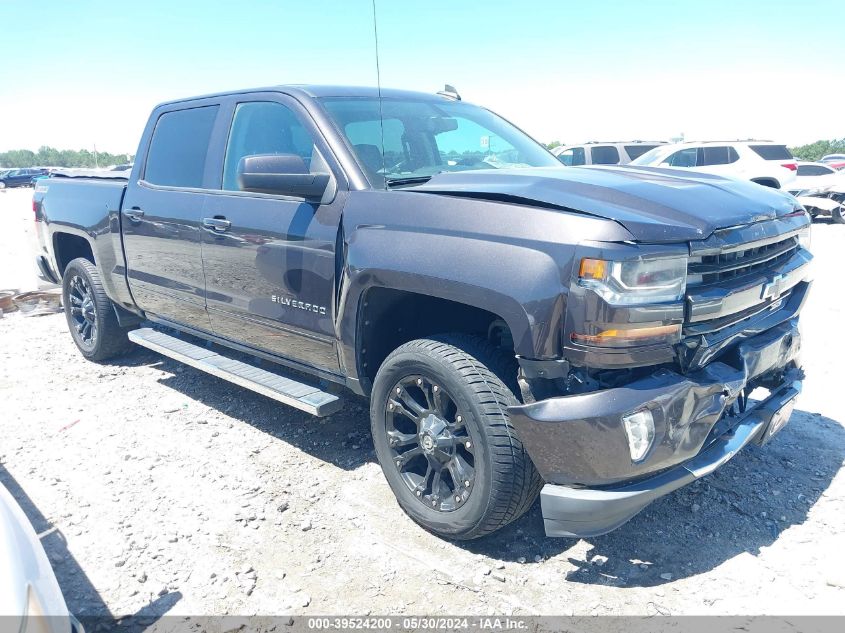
{"points": [[683, 158], [420, 138], [260, 128], [605, 155], [573, 157], [179, 146]]}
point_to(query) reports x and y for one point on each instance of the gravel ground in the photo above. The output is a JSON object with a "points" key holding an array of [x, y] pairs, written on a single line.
{"points": [[170, 491]]}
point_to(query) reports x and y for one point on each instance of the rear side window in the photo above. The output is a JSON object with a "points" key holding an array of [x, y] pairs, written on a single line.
{"points": [[772, 152], [179, 147], [814, 170], [635, 151], [605, 155], [716, 156]]}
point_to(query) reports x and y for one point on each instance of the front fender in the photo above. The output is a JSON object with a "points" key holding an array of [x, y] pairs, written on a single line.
{"points": [[519, 284]]}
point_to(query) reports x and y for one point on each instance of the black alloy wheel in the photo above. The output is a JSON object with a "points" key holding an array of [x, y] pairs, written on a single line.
{"points": [[90, 314], [430, 444], [83, 311], [443, 438]]}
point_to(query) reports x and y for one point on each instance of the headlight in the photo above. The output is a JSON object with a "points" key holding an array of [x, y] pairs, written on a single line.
{"points": [[635, 282], [805, 237]]}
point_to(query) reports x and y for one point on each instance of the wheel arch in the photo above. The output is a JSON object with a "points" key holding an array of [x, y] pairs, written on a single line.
{"points": [[69, 246], [390, 317], [767, 181]]}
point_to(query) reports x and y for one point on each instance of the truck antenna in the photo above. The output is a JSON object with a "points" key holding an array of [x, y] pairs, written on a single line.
{"points": [[378, 85]]}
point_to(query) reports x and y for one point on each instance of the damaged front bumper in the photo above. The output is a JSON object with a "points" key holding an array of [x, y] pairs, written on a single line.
{"points": [[580, 447]]}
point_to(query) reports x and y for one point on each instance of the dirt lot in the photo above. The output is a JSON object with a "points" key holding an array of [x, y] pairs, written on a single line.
{"points": [[173, 492]]}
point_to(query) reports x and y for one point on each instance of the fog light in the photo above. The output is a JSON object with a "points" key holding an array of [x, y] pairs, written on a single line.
{"points": [[639, 427]]}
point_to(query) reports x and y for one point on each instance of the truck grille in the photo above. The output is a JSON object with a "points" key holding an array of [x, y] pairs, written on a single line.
{"points": [[713, 269], [733, 281]]}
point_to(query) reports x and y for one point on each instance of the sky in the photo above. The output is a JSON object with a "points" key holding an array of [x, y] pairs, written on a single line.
{"points": [[85, 73]]}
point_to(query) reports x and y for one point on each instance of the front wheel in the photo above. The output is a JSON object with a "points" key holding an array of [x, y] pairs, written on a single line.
{"points": [[90, 314], [444, 440], [838, 214]]}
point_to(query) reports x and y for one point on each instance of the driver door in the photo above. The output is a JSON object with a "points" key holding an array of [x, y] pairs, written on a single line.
{"points": [[269, 260]]}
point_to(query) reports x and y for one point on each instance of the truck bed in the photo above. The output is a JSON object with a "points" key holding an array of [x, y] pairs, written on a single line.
{"points": [[76, 200]]}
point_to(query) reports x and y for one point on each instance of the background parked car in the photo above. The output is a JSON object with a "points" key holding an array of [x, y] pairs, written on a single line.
{"points": [[821, 190], [20, 177], [764, 162], [603, 153], [837, 161], [813, 178]]}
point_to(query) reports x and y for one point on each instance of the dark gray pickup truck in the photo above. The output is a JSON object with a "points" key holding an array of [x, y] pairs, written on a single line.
{"points": [[591, 334]]}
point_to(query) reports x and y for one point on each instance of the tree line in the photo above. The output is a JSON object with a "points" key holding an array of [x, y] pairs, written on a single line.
{"points": [[52, 157], [814, 151]]}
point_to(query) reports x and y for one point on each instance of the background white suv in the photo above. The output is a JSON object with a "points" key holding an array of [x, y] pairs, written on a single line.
{"points": [[603, 153], [763, 162]]}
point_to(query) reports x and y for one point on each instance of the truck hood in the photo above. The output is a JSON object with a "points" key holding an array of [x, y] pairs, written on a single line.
{"points": [[654, 204]]}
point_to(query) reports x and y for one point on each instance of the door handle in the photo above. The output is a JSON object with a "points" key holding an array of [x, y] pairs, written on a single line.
{"points": [[134, 214], [216, 224]]}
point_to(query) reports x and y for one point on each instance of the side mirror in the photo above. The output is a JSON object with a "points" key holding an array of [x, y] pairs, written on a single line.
{"points": [[280, 174]]}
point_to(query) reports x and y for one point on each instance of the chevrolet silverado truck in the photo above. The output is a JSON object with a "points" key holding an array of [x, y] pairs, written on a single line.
{"points": [[592, 335]]}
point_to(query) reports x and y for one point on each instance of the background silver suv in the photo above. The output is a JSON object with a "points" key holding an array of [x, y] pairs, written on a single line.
{"points": [[594, 153]]}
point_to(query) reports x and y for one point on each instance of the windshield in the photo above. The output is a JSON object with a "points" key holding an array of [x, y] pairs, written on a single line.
{"points": [[425, 137]]}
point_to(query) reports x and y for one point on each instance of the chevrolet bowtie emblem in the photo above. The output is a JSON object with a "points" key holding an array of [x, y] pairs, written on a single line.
{"points": [[774, 287]]}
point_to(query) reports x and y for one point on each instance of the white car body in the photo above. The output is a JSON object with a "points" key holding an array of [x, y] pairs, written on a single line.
{"points": [[30, 598], [764, 162]]}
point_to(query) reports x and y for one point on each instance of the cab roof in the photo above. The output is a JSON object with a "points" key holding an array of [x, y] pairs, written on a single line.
{"points": [[320, 91]]}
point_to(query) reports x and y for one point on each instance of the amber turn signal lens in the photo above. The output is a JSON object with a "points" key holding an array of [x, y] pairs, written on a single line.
{"points": [[629, 337], [592, 269]]}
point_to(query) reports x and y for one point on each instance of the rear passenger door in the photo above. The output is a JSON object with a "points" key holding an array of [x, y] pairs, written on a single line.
{"points": [[604, 155], [270, 260], [162, 216]]}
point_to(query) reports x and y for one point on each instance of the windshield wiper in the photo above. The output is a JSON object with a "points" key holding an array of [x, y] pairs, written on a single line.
{"points": [[407, 180]]}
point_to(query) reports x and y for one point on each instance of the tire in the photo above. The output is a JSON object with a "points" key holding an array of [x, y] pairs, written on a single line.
{"points": [[838, 214], [452, 405], [90, 315]]}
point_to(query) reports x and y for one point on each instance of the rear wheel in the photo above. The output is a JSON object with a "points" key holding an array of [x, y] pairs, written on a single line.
{"points": [[90, 314], [838, 214], [444, 440]]}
